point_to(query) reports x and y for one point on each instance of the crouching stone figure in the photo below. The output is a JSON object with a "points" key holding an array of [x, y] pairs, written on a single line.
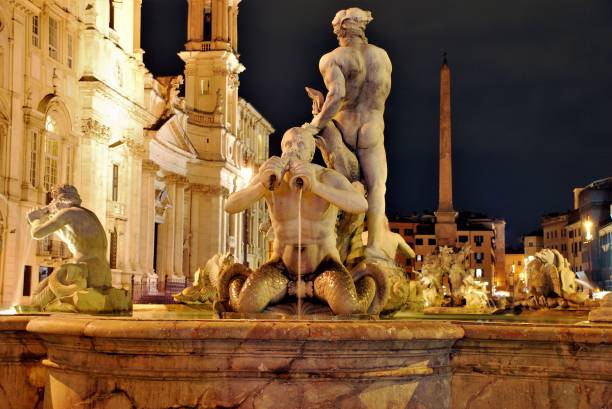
{"points": [[84, 284]]}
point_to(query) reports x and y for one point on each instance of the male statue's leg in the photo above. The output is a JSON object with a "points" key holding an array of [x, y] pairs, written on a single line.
{"points": [[373, 162]]}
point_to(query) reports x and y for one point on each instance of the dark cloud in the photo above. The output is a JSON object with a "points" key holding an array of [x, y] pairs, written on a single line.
{"points": [[532, 87]]}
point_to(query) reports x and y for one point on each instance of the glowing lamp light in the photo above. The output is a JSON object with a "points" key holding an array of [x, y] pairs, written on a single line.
{"points": [[588, 229]]}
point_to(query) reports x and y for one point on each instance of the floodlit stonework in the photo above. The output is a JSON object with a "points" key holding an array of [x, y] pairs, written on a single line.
{"points": [[78, 106]]}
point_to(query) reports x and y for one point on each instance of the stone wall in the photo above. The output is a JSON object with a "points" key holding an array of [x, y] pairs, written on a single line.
{"points": [[133, 362]]}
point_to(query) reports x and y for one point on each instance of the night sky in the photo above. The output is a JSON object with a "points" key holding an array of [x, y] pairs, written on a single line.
{"points": [[531, 94]]}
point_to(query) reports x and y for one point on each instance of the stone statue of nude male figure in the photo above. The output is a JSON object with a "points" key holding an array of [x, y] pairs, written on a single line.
{"points": [[357, 76], [320, 192]]}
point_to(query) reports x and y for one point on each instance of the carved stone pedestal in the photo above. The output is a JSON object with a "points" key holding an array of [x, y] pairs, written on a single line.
{"points": [[126, 363]]}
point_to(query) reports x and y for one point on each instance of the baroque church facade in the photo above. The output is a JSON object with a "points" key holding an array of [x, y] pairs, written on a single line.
{"points": [[78, 106]]}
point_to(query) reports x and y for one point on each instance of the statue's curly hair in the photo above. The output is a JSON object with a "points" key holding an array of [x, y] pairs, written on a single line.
{"points": [[65, 193], [351, 22]]}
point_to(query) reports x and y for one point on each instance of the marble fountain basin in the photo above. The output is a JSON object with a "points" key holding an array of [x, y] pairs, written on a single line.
{"points": [[176, 357]]}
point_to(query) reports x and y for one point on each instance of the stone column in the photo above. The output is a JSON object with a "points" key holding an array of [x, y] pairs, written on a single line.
{"points": [[195, 21], [225, 22], [216, 19], [147, 221], [234, 32], [207, 224], [137, 28], [446, 170], [179, 224], [170, 225], [93, 167], [134, 196], [446, 227]]}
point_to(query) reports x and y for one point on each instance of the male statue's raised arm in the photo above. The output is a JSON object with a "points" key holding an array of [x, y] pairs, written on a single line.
{"points": [[47, 225], [259, 185], [331, 186]]}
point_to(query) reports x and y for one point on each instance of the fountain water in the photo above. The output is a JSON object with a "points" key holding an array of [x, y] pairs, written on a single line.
{"points": [[299, 287]]}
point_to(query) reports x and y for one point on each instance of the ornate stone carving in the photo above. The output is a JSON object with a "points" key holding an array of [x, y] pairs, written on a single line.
{"points": [[136, 148], [209, 189], [178, 179], [93, 129], [149, 166]]}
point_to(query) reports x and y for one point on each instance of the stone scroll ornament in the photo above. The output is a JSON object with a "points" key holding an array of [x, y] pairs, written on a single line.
{"points": [[83, 284]]}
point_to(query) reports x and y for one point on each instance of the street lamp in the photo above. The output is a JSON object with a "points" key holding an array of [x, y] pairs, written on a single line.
{"points": [[588, 238]]}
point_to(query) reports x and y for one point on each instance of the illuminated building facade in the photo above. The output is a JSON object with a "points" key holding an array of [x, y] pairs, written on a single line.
{"points": [[78, 106]]}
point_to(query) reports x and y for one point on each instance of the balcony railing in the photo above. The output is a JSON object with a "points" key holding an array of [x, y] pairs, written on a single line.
{"points": [[116, 209]]}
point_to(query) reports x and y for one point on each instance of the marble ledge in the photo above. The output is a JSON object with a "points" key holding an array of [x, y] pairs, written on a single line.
{"points": [[125, 328], [588, 333]]}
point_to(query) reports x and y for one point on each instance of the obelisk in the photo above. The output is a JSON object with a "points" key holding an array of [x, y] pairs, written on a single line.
{"points": [[446, 226]]}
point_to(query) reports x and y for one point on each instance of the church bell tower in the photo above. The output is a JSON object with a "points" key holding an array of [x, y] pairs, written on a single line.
{"points": [[211, 77], [212, 110]]}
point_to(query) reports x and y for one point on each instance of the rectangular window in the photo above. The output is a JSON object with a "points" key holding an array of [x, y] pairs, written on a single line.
{"points": [[478, 240], [478, 273], [69, 59], [35, 32], [479, 257], [115, 183], [463, 239], [431, 242], [394, 230], [408, 232], [53, 38], [51, 163], [33, 157], [27, 281], [419, 242]]}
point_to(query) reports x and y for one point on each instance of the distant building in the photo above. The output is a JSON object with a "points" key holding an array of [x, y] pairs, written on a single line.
{"points": [[555, 233], [582, 234], [605, 249], [78, 106], [533, 242], [574, 240], [515, 268]]}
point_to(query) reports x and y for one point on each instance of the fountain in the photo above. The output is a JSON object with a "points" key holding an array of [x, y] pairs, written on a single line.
{"points": [[312, 336]]}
